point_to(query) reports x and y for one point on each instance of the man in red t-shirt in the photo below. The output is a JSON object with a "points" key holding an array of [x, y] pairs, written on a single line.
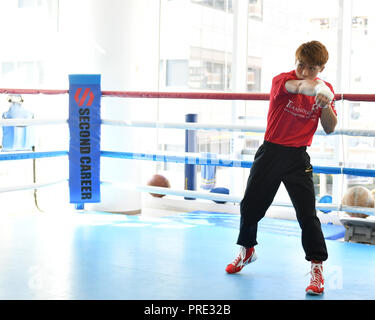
{"points": [[298, 99]]}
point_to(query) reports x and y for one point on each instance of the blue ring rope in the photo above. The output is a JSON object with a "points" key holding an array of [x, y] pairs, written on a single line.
{"points": [[181, 159], [225, 163], [32, 155], [177, 159]]}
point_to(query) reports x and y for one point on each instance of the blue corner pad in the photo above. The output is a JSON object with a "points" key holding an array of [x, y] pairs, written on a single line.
{"points": [[84, 78]]}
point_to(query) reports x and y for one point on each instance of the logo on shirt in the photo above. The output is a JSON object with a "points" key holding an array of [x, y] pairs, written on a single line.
{"points": [[302, 112]]}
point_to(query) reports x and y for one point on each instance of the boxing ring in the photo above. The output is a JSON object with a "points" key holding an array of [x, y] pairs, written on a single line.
{"points": [[89, 254]]}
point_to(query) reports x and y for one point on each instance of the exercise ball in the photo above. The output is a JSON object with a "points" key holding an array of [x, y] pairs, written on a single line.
{"points": [[358, 196], [325, 199], [220, 190], [157, 180]]}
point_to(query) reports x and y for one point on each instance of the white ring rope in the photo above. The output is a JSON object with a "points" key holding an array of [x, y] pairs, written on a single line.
{"points": [[30, 122], [193, 194], [230, 198], [31, 186], [177, 125], [222, 127], [186, 126]]}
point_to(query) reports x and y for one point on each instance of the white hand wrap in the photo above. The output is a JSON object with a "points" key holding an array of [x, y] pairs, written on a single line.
{"points": [[324, 90]]}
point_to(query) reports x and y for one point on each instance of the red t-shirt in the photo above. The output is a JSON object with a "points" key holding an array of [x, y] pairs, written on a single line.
{"points": [[292, 118]]}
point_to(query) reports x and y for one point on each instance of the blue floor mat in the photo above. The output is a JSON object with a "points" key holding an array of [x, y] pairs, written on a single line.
{"points": [[95, 255], [277, 226]]}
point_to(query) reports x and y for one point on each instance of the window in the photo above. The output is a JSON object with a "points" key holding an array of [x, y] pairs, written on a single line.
{"points": [[355, 111], [225, 5], [256, 9], [360, 24], [7, 68], [253, 78], [323, 23], [213, 142], [209, 75], [209, 69], [25, 72], [177, 73], [30, 3]]}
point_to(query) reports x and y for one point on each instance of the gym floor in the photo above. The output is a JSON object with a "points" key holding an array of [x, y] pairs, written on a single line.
{"points": [[95, 255]]}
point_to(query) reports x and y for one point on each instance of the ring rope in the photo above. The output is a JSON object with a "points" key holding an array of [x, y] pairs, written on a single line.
{"points": [[222, 127], [232, 199], [221, 95], [177, 158], [31, 155], [186, 95], [31, 186], [33, 91], [177, 125], [197, 160], [30, 122], [192, 194]]}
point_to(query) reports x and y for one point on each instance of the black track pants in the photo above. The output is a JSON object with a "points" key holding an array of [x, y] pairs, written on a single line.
{"points": [[272, 165]]}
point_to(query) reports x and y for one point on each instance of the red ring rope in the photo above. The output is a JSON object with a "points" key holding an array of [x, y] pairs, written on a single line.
{"points": [[32, 91], [186, 95]]}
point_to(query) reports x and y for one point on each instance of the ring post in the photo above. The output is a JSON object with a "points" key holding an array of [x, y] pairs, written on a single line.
{"points": [[84, 146], [190, 146]]}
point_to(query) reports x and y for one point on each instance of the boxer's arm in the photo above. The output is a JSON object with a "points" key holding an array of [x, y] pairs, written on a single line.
{"points": [[312, 88], [306, 87], [323, 96], [328, 119]]}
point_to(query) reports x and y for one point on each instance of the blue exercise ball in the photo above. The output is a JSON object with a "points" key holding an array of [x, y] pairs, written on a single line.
{"points": [[325, 199], [220, 190]]}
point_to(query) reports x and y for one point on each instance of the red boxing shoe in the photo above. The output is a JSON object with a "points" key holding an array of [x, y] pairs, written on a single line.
{"points": [[316, 286], [245, 257]]}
